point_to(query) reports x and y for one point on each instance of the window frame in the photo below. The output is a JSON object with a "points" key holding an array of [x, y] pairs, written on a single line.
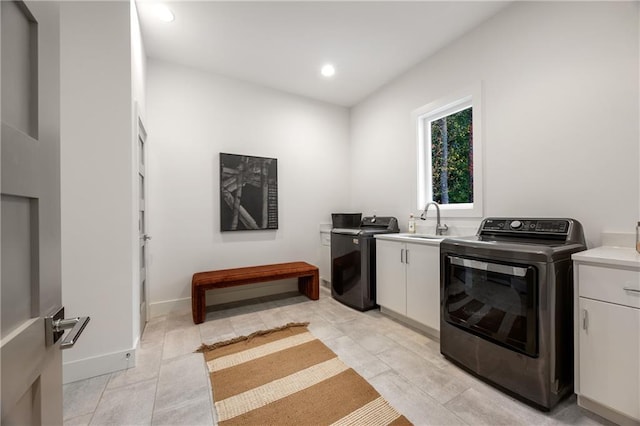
{"points": [[470, 97]]}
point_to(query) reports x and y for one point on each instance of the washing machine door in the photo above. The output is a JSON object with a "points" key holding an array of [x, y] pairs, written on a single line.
{"points": [[352, 263], [346, 272], [494, 300]]}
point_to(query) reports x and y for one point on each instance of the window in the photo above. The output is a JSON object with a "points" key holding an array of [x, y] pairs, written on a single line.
{"points": [[449, 155]]}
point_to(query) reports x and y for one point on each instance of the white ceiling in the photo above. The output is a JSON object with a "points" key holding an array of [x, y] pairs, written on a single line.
{"points": [[283, 44]]}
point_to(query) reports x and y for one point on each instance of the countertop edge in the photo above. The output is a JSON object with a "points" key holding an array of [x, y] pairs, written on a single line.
{"points": [[609, 256], [403, 238]]}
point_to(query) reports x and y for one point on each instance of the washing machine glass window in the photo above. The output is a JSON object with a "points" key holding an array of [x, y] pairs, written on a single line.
{"points": [[497, 301]]}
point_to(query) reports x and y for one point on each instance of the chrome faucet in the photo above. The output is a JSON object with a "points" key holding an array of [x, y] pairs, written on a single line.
{"points": [[440, 229]]}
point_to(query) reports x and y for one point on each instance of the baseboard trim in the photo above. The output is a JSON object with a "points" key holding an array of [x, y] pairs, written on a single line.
{"points": [[159, 309], [97, 366], [224, 295], [606, 412], [424, 329]]}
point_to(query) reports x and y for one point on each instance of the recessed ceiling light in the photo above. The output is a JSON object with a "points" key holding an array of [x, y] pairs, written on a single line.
{"points": [[163, 13], [328, 70]]}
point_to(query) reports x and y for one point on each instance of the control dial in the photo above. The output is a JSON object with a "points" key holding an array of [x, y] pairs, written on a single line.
{"points": [[516, 224]]}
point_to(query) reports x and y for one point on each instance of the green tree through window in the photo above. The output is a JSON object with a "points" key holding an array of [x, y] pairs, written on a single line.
{"points": [[452, 158]]}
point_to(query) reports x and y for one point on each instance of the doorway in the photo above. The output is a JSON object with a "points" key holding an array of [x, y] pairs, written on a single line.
{"points": [[142, 221]]}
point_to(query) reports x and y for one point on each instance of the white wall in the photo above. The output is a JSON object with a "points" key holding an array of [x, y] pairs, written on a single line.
{"points": [[560, 100], [138, 109], [138, 62], [192, 117], [97, 191]]}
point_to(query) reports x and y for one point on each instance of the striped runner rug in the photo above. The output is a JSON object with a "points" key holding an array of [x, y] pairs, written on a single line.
{"points": [[287, 376]]}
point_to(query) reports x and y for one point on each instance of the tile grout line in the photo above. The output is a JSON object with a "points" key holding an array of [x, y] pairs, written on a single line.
{"points": [[93, 414], [155, 394], [210, 389]]}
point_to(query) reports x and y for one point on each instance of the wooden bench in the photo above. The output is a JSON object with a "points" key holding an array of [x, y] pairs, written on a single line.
{"points": [[308, 281]]}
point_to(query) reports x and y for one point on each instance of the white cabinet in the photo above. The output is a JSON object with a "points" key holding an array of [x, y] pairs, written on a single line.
{"points": [[607, 337], [423, 284], [408, 280], [609, 355], [391, 287], [325, 254]]}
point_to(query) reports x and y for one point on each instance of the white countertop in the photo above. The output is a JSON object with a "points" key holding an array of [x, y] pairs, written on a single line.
{"points": [[610, 256], [424, 239]]}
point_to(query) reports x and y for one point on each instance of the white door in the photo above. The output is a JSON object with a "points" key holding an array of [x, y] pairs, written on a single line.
{"points": [[142, 221], [609, 353], [423, 284], [31, 369], [391, 290]]}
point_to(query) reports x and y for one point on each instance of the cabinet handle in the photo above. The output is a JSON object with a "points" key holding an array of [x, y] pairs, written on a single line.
{"points": [[406, 256], [635, 290], [585, 319], [401, 255]]}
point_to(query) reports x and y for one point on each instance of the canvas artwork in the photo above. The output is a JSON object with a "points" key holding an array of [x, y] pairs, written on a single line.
{"points": [[248, 192]]}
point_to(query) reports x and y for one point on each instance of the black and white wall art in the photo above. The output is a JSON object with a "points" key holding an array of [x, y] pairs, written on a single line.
{"points": [[248, 192]]}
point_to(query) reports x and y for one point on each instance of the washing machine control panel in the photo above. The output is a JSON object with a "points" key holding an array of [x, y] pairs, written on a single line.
{"points": [[525, 226]]}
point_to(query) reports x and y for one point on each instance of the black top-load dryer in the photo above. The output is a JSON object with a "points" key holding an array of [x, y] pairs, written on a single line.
{"points": [[353, 261]]}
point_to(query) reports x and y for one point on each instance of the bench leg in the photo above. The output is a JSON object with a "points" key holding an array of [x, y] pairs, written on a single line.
{"points": [[310, 285], [198, 305]]}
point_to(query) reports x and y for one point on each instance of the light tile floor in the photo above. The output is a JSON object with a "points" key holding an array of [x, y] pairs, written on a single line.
{"points": [[169, 385]]}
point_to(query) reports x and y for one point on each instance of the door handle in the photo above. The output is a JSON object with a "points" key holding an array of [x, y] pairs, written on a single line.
{"points": [[56, 324], [78, 324], [513, 271]]}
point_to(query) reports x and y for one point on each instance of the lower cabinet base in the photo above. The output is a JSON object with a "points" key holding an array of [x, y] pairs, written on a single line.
{"points": [[606, 412], [432, 333]]}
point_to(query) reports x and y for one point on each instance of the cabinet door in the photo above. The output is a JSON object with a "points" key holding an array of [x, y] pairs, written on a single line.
{"points": [[391, 290], [609, 353], [423, 284]]}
